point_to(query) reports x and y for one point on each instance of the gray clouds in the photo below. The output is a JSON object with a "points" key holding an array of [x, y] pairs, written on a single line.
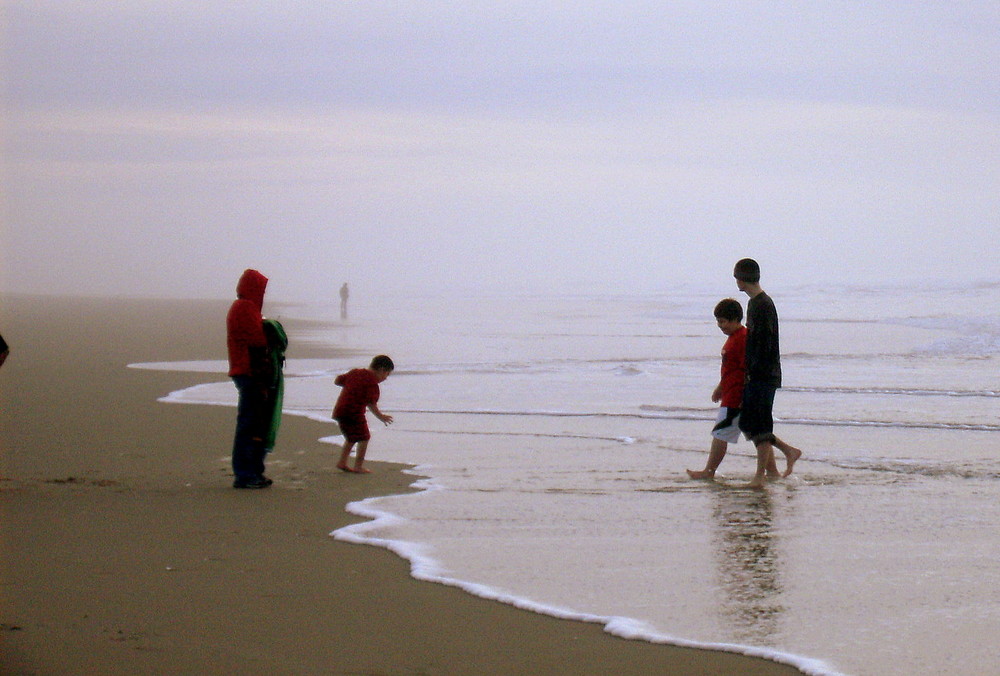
{"points": [[499, 54], [487, 146]]}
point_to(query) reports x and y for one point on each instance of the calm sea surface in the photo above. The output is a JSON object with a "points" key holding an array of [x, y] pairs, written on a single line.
{"points": [[555, 433]]}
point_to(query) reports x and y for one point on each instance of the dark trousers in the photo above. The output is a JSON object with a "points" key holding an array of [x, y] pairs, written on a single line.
{"points": [[756, 421], [248, 442]]}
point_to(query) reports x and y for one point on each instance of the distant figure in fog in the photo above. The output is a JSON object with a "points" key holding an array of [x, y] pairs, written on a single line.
{"points": [[345, 293]]}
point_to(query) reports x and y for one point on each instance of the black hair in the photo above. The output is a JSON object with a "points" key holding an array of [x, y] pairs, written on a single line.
{"points": [[382, 363], [747, 270], [729, 309]]}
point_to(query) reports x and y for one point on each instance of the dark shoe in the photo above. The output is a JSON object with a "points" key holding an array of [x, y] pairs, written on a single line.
{"points": [[258, 482]]}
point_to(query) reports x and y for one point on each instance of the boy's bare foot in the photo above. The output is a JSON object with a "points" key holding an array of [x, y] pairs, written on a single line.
{"points": [[791, 455], [774, 474], [361, 470], [757, 483], [344, 468], [701, 473]]}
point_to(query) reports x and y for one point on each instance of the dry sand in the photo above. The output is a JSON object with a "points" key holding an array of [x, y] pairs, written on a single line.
{"points": [[126, 551]]}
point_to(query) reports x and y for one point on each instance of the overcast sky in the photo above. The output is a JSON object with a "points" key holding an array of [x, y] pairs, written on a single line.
{"points": [[159, 147]]}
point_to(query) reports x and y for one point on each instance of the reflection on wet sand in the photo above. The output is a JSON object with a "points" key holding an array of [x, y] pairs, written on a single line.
{"points": [[748, 564]]}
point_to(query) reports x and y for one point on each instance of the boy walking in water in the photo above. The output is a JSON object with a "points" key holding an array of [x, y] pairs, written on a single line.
{"points": [[361, 392], [763, 365], [729, 392]]}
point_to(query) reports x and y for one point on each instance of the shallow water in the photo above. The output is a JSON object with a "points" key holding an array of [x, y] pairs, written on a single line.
{"points": [[556, 431]]}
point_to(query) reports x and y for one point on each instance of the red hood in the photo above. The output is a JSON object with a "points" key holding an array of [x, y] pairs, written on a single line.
{"points": [[251, 287]]}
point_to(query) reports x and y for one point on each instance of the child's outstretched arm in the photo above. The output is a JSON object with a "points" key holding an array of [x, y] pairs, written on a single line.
{"points": [[386, 419], [717, 393]]}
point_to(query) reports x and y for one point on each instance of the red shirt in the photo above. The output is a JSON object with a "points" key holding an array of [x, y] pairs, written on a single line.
{"points": [[734, 368], [360, 390]]}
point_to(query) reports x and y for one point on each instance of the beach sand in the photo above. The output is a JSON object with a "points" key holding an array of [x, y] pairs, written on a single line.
{"points": [[125, 550]]}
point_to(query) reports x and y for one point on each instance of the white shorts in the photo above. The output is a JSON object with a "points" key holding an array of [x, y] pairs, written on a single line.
{"points": [[730, 432]]}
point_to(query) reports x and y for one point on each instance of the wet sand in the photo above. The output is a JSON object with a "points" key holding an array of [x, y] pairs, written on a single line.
{"points": [[126, 551]]}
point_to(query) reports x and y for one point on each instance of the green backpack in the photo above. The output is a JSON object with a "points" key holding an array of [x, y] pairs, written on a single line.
{"points": [[277, 343]]}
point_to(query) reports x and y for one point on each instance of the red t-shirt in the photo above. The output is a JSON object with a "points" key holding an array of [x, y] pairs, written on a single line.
{"points": [[360, 390], [734, 368]]}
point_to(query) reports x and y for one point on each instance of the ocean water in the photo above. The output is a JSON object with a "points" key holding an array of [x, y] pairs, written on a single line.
{"points": [[553, 434]]}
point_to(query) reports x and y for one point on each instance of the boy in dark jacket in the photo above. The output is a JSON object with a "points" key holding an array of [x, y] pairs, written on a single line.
{"points": [[763, 363]]}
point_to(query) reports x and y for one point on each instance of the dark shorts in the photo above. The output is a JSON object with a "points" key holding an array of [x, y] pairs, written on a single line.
{"points": [[354, 428], [756, 421]]}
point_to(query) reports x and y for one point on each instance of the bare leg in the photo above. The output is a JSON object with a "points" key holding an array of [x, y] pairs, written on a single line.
{"points": [[772, 467], [765, 456], [792, 454], [344, 455], [715, 455], [359, 458]]}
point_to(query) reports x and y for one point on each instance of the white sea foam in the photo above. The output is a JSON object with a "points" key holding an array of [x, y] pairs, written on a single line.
{"points": [[905, 392], [203, 366], [557, 452], [423, 566], [208, 393]]}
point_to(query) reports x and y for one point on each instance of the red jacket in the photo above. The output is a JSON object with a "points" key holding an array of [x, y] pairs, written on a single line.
{"points": [[245, 323]]}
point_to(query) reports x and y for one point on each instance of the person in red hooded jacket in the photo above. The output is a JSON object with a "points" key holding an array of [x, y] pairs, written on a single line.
{"points": [[251, 371]]}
